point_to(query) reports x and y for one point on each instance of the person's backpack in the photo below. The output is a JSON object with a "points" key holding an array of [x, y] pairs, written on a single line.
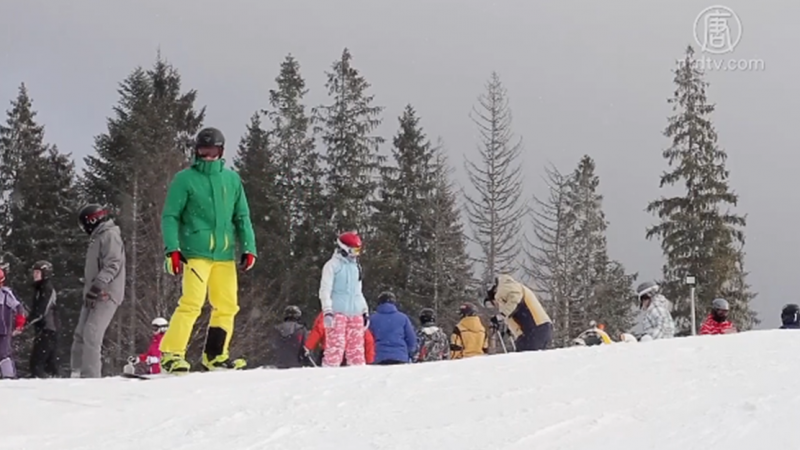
{"points": [[433, 344]]}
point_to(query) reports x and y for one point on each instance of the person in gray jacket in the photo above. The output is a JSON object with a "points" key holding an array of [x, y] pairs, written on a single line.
{"points": [[103, 289]]}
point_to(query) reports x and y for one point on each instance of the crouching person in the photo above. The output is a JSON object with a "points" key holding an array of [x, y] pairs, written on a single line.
{"points": [[527, 320], [12, 320], [432, 342], [657, 321], [395, 341], [288, 339], [717, 321], [790, 317], [469, 337]]}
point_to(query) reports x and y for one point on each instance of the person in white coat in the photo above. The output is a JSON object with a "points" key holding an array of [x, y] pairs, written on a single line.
{"points": [[657, 320]]}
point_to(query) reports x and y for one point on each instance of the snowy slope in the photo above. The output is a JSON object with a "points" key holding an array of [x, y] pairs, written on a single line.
{"points": [[719, 392]]}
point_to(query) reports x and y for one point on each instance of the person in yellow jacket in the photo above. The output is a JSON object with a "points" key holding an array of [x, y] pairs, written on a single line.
{"points": [[595, 335], [469, 337], [525, 317]]}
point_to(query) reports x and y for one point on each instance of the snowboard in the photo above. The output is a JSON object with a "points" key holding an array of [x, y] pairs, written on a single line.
{"points": [[156, 376], [149, 376]]}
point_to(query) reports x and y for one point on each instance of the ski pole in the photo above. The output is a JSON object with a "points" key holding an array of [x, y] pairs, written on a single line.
{"points": [[502, 342]]}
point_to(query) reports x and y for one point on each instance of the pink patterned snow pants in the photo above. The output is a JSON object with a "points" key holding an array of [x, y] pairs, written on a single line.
{"points": [[344, 339]]}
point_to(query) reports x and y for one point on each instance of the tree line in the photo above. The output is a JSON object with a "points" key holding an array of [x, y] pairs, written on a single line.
{"points": [[311, 172]]}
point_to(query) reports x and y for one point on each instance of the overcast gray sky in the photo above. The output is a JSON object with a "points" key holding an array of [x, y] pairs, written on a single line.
{"points": [[583, 77]]}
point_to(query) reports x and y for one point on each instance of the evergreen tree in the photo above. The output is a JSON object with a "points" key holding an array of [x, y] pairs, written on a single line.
{"points": [[21, 140], [699, 234], [448, 274], [147, 141], [40, 222], [401, 235], [496, 211], [346, 126], [299, 184], [256, 164], [604, 290]]}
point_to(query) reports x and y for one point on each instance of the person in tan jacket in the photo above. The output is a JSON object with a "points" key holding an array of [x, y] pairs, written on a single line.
{"points": [[469, 337], [527, 320]]}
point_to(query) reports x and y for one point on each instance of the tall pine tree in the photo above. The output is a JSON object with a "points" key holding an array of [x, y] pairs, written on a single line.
{"points": [[39, 221], [147, 141], [496, 211], [699, 234], [448, 276], [604, 290], [352, 154], [299, 183], [399, 258]]}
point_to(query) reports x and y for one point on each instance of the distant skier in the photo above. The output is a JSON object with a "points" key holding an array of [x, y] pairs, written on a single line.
{"points": [[344, 308], [469, 336], [432, 342], [717, 321], [287, 340], [526, 318], [657, 321], [395, 338], [152, 357], [790, 317], [103, 289], [12, 321], [205, 214], [44, 319], [315, 342], [595, 335]]}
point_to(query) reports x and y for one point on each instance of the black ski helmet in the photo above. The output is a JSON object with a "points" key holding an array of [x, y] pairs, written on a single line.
{"points": [[90, 216], [386, 297], [427, 316], [209, 137], [790, 315], [44, 267], [467, 309], [292, 312]]}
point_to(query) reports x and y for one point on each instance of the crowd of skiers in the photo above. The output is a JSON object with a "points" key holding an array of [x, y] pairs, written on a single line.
{"points": [[205, 219]]}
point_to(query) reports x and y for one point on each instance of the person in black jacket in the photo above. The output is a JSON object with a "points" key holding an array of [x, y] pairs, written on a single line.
{"points": [[44, 320], [287, 340]]}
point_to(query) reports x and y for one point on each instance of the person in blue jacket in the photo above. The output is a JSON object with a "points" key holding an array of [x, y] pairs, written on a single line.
{"points": [[395, 338]]}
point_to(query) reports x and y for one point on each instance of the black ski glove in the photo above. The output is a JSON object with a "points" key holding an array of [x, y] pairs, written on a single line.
{"points": [[94, 295]]}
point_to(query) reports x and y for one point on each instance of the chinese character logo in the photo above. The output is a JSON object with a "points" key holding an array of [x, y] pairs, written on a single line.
{"points": [[717, 30]]}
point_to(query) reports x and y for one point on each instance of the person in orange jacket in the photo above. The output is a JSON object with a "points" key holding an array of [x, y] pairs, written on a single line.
{"points": [[316, 339]]}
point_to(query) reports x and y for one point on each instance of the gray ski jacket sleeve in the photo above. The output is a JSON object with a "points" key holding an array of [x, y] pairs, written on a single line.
{"points": [[105, 262]]}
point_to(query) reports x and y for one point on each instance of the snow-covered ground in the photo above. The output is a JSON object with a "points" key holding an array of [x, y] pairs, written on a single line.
{"points": [[718, 392]]}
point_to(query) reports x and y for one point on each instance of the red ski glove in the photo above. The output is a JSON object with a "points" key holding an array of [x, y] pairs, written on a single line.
{"points": [[247, 261], [19, 322], [174, 263]]}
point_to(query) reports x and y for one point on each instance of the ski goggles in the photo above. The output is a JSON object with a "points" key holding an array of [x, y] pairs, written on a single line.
{"points": [[208, 152]]}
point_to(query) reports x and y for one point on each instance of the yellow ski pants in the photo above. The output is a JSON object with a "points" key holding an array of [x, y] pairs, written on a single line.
{"points": [[201, 276]]}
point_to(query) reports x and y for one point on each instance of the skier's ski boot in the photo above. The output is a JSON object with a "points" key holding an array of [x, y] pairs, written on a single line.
{"points": [[174, 363], [223, 362]]}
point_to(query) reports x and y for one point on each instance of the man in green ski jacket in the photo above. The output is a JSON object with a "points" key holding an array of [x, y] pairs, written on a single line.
{"points": [[204, 215]]}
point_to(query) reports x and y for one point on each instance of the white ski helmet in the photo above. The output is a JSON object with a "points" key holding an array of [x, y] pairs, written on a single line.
{"points": [[159, 325], [648, 287]]}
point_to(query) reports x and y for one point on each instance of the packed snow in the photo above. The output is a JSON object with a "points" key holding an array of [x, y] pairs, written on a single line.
{"points": [[710, 392]]}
